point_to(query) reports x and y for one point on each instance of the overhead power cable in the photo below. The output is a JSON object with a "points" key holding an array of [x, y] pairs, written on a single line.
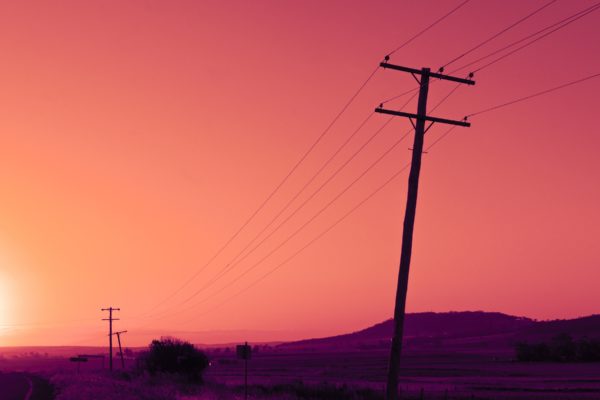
{"points": [[298, 230], [253, 215], [316, 215], [526, 17], [300, 207], [270, 196], [303, 226], [231, 265], [235, 260], [531, 96], [377, 190], [437, 21], [557, 26], [326, 230]]}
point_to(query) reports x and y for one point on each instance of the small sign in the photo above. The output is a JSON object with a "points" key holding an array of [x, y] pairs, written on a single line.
{"points": [[78, 359], [243, 351]]}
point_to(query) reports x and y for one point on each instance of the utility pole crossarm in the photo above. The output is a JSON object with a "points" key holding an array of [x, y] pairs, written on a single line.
{"points": [[431, 74], [426, 117]]}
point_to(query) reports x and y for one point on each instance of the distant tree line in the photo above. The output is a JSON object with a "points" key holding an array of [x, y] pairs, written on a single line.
{"points": [[561, 348]]}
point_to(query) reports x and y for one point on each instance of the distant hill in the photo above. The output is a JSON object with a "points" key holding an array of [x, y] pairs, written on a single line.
{"points": [[579, 327], [466, 330]]}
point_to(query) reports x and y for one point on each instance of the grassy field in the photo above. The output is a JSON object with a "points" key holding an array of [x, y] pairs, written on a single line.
{"points": [[291, 375], [436, 375]]}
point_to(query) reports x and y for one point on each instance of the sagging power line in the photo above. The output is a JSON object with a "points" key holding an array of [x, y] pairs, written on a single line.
{"points": [[335, 199], [557, 26], [305, 155], [541, 33], [377, 190], [501, 32], [531, 96]]}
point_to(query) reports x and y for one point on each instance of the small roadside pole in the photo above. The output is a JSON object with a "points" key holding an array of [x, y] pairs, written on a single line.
{"points": [[244, 352], [78, 360], [120, 348]]}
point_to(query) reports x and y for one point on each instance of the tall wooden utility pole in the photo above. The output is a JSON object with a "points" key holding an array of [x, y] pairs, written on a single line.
{"points": [[411, 208], [110, 320]]}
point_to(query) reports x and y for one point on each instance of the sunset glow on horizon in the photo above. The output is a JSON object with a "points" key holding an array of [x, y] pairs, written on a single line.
{"points": [[136, 138]]}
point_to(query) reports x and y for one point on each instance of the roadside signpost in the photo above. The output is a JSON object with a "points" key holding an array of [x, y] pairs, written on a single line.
{"points": [[244, 351], [78, 360]]}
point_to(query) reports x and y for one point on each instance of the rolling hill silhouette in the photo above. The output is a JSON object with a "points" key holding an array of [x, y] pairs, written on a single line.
{"points": [[452, 330]]}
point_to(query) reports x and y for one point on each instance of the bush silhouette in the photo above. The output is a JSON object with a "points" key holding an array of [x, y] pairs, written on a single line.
{"points": [[562, 348], [174, 356]]}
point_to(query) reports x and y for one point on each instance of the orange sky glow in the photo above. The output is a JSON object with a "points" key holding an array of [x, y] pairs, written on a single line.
{"points": [[137, 137]]}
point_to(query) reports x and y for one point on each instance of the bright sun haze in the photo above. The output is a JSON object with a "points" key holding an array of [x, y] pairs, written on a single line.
{"points": [[138, 137]]}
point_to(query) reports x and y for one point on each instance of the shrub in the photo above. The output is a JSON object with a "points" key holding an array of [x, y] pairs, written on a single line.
{"points": [[174, 356]]}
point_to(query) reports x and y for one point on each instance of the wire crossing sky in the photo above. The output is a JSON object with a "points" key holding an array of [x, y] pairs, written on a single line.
{"points": [[154, 151]]}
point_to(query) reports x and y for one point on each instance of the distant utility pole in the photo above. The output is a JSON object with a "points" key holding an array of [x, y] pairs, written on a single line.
{"points": [[411, 206], [110, 320], [120, 348]]}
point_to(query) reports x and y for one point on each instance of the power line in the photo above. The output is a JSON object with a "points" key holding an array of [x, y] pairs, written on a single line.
{"points": [[497, 34], [535, 40], [437, 21], [195, 275], [565, 21], [235, 259], [310, 220], [395, 175], [328, 229], [231, 266], [332, 201], [283, 181], [534, 95], [439, 103], [413, 90], [289, 238]]}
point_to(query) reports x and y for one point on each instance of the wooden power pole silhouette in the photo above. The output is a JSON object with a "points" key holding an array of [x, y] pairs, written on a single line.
{"points": [[120, 348], [110, 320], [411, 205]]}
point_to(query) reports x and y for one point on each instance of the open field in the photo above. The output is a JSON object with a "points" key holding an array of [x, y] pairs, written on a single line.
{"points": [[459, 375], [289, 374]]}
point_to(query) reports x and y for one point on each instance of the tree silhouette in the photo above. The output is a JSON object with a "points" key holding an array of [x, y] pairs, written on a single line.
{"points": [[174, 356]]}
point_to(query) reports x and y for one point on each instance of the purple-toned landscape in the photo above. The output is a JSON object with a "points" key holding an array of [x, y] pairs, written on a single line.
{"points": [[457, 355], [299, 200]]}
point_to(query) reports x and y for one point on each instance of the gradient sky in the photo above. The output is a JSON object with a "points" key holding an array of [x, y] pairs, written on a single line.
{"points": [[136, 137]]}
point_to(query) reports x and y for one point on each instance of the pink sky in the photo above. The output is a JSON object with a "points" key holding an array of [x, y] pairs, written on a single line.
{"points": [[136, 137]]}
